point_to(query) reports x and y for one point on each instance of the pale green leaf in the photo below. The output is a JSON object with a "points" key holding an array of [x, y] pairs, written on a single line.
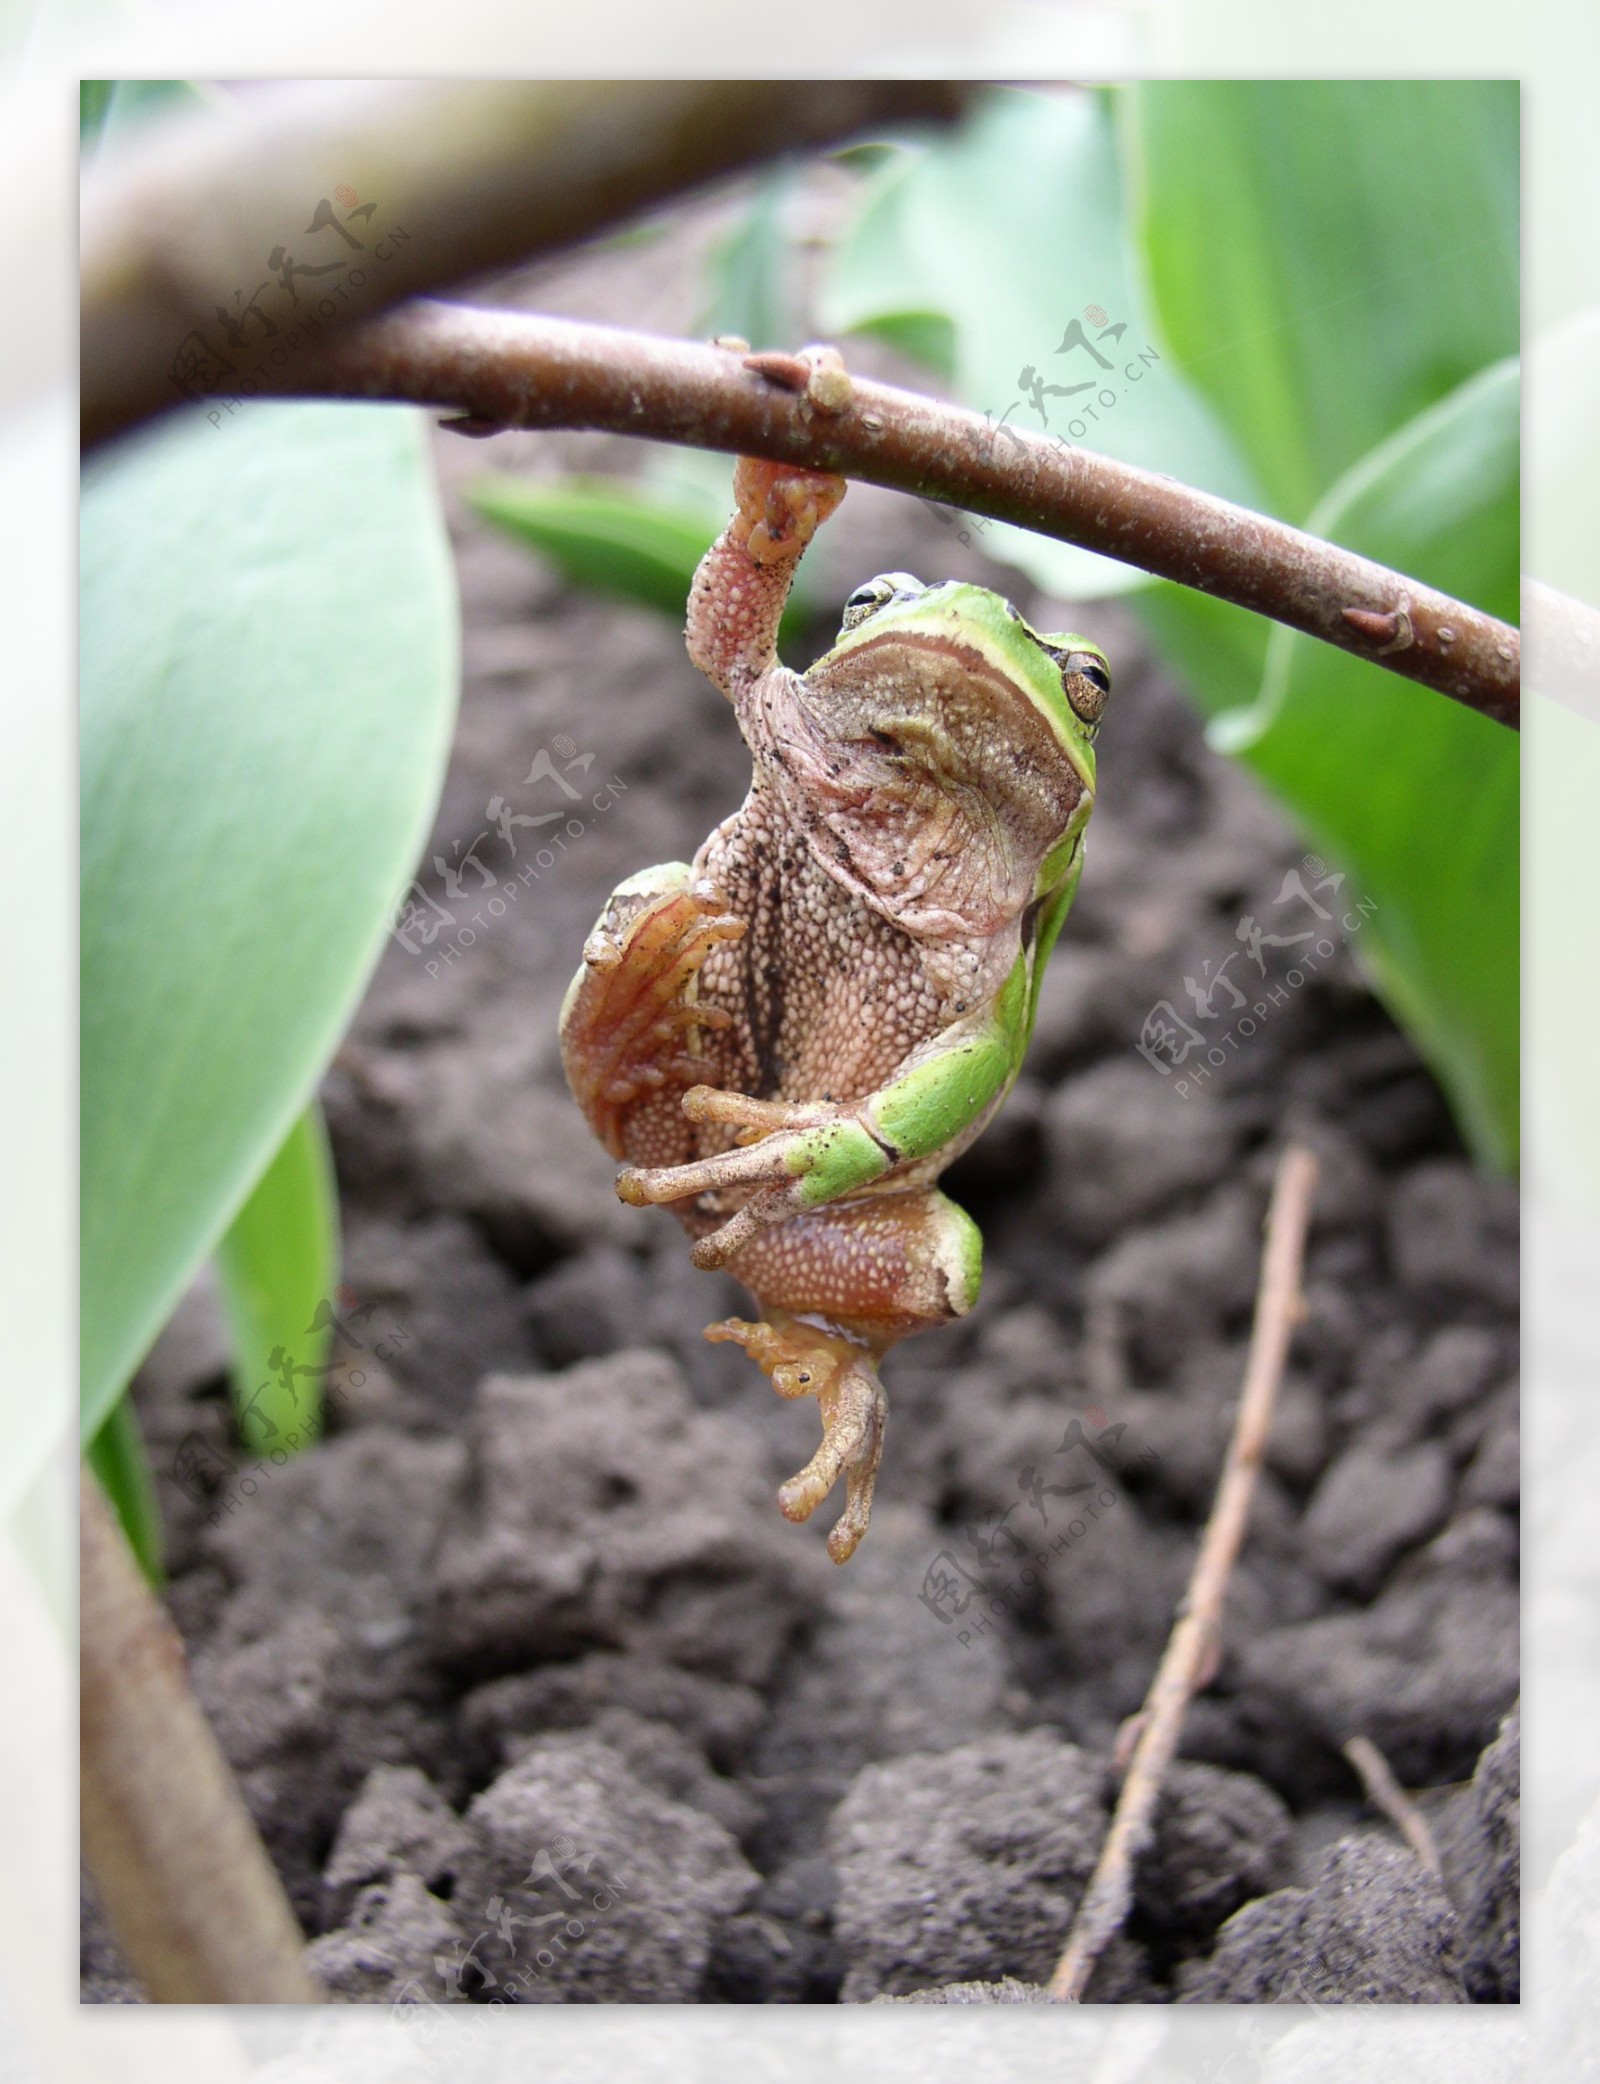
{"points": [[1010, 233], [269, 669], [752, 287]]}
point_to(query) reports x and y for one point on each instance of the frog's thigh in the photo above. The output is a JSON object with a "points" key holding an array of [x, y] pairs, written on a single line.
{"points": [[629, 1026], [888, 1263]]}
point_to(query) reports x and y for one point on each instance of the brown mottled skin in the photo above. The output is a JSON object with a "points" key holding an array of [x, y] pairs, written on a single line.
{"points": [[850, 916]]}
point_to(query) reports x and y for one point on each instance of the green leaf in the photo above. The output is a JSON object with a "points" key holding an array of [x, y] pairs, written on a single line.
{"points": [[630, 238], [279, 1268], [752, 292], [928, 337], [636, 541], [269, 666], [94, 98], [609, 534], [118, 1457], [1415, 795], [1009, 233], [866, 157], [1328, 257], [1218, 650], [882, 280], [109, 110]]}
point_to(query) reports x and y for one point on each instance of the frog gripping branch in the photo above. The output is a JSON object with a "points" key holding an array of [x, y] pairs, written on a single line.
{"points": [[788, 1039]]}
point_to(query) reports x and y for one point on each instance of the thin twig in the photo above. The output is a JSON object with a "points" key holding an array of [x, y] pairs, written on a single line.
{"points": [[463, 176], [1385, 1793], [474, 175], [195, 1902], [507, 369], [1192, 1644]]}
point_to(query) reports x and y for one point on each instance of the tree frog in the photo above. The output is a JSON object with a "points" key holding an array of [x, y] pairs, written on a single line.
{"points": [[790, 1037]]}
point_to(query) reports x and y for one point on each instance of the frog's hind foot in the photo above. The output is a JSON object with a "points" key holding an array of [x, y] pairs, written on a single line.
{"points": [[803, 1360]]}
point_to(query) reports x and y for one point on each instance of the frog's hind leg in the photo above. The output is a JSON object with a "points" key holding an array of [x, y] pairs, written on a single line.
{"points": [[803, 1360], [838, 1286], [632, 1029]]}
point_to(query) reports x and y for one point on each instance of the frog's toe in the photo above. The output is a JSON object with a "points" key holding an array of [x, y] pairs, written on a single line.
{"points": [[860, 1478], [709, 1103], [782, 505], [771, 1205], [854, 1412], [801, 1360], [755, 1165]]}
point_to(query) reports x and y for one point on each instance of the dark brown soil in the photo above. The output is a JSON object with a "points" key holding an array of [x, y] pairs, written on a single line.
{"points": [[532, 1690]]}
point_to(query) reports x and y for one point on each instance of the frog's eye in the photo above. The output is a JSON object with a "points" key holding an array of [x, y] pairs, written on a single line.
{"points": [[1087, 682], [876, 594]]}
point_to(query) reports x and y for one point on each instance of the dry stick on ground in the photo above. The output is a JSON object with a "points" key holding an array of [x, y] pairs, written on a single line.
{"points": [[197, 1907], [1192, 1645], [464, 176], [504, 369], [1386, 1794]]}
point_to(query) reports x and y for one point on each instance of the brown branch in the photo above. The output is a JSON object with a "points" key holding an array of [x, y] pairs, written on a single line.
{"points": [[503, 369], [1192, 1646], [467, 176], [1386, 1794], [196, 1904], [463, 176]]}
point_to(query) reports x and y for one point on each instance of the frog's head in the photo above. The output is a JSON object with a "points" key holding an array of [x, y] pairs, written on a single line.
{"points": [[941, 755]]}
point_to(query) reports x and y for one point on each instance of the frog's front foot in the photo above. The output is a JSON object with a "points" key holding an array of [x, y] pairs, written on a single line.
{"points": [[803, 1360], [806, 1154], [780, 507]]}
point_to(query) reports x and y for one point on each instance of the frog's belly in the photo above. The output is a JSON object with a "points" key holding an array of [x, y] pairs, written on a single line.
{"points": [[825, 999]]}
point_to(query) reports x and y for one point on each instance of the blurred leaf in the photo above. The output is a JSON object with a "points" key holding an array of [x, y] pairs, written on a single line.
{"points": [[642, 231], [867, 156], [1417, 796], [882, 279], [111, 109], [752, 288], [1219, 651], [1009, 233], [928, 337], [1328, 257], [639, 542], [94, 98], [605, 533], [120, 1461], [268, 686], [279, 1268]]}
